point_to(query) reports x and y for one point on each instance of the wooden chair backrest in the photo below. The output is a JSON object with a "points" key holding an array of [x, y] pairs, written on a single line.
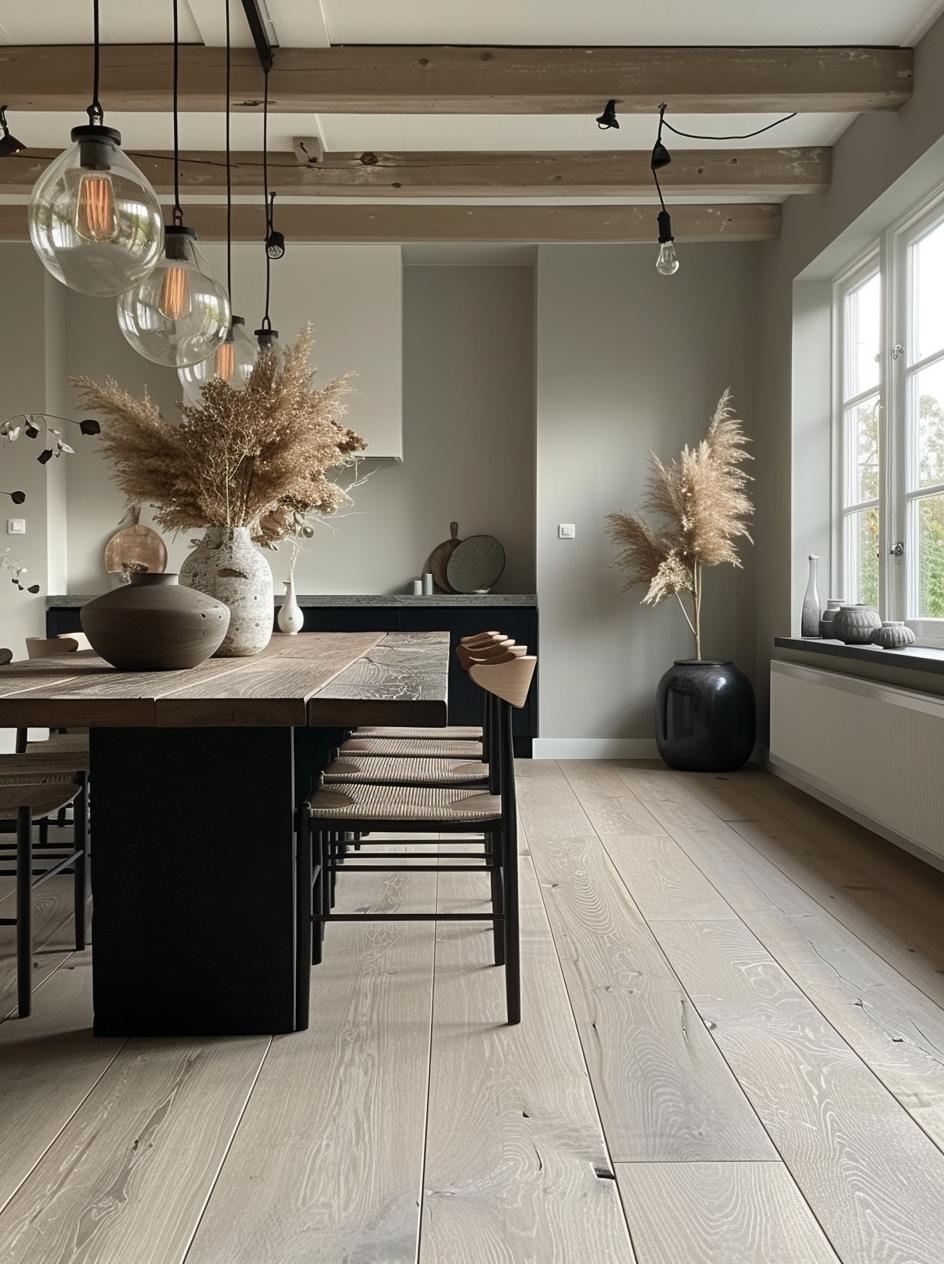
{"points": [[509, 679], [6, 656], [49, 646], [481, 638], [496, 654]]}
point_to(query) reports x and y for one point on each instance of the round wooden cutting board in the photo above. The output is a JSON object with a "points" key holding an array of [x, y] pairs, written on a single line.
{"points": [[136, 545], [439, 558]]}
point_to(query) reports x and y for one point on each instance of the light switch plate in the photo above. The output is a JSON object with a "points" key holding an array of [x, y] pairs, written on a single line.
{"points": [[566, 531], [16, 526]]}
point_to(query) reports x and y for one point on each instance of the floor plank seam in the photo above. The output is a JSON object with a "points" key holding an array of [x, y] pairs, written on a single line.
{"points": [[198, 1220]]}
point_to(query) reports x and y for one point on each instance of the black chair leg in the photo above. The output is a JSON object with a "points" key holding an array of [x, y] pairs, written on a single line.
{"points": [[493, 851], [81, 875], [303, 911], [24, 912]]}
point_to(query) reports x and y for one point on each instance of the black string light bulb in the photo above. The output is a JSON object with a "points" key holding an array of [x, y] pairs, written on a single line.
{"points": [[8, 143], [667, 262], [180, 313], [94, 220], [267, 338], [234, 360]]}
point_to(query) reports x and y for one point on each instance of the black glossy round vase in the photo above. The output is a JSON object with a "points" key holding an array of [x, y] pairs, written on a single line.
{"points": [[705, 719], [152, 624]]}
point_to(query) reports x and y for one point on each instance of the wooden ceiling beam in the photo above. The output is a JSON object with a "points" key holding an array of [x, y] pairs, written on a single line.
{"points": [[398, 223], [400, 79], [705, 173]]}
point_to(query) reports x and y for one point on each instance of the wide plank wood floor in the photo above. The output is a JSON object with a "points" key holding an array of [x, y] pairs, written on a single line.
{"points": [[732, 1053]]}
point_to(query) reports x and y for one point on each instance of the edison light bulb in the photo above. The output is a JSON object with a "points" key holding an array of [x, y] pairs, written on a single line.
{"points": [[175, 294], [232, 363], [226, 361], [179, 314], [94, 220], [667, 262]]}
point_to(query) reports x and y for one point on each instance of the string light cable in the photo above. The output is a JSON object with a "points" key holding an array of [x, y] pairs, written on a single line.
{"points": [[667, 261]]}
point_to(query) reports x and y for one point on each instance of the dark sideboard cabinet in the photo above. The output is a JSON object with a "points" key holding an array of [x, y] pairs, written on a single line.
{"points": [[404, 614]]}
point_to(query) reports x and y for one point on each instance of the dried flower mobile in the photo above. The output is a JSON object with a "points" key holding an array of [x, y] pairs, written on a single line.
{"points": [[9, 563], [55, 446]]}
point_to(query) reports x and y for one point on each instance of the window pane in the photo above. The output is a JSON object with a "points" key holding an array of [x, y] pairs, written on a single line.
{"points": [[863, 327], [927, 427], [927, 280], [862, 473], [861, 548], [930, 536]]}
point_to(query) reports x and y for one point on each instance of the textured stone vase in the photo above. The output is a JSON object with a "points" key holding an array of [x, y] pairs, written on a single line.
{"points": [[152, 624], [855, 624], [228, 566], [705, 716], [893, 636]]}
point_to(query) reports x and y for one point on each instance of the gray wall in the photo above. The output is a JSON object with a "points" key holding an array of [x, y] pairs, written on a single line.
{"points": [[629, 361], [468, 439], [881, 165]]}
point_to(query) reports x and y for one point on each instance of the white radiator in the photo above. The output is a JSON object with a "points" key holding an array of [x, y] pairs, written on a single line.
{"points": [[871, 749]]}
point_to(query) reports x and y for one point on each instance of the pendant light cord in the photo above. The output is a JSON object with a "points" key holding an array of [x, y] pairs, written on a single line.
{"points": [[229, 174], [266, 322], [178, 212], [655, 173], [95, 112]]}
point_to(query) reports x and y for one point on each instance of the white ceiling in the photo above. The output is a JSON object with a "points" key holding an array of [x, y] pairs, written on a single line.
{"points": [[310, 23], [317, 23]]}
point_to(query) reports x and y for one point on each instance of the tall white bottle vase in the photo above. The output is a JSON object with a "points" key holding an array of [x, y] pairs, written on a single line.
{"points": [[812, 610], [291, 617]]}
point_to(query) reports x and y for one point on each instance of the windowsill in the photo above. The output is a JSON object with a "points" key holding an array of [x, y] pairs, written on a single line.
{"points": [[915, 657]]}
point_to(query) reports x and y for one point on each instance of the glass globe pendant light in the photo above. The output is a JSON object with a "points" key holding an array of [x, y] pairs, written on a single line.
{"points": [[234, 360], [94, 219], [180, 313]]}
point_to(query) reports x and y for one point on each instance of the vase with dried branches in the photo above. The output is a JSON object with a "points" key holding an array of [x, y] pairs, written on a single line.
{"points": [[704, 709], [250, 466]]}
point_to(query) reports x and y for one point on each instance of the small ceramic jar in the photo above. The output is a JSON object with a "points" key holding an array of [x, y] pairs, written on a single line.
{"points": [[826, 620], [855, 624], [893, 636]]}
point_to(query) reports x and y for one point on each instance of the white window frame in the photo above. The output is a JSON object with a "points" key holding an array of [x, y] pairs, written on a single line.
{"points": [[858, 273], [890, 257]]}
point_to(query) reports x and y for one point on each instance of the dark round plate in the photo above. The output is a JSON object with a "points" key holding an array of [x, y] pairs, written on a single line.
{"points": [[475, 564]]}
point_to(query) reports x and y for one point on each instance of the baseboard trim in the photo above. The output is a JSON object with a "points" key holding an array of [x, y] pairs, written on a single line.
{"points": [[848, 807], [595, 748]]}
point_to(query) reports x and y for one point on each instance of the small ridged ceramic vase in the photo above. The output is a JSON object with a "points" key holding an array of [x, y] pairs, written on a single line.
{"points": [[228, 566], [893, 636], [855, 624]]}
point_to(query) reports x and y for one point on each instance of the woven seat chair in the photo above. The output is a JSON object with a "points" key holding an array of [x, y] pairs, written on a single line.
{"points": [[362, 808], [35, 785], [482, 644], [75, 742]]}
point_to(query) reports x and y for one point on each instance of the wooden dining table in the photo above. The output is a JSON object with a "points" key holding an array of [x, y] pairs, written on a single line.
{"points": [[195, 780]]}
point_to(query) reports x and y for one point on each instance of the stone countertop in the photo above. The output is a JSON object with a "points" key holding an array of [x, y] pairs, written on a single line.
{"points": [[360, 599]]}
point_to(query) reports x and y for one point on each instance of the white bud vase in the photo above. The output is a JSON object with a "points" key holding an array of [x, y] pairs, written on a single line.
{"points": [[228, 566], [291, 617]]}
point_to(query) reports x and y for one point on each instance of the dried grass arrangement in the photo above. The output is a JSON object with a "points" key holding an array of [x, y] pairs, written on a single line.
{"points": [[253, 458], [701, 496]]}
